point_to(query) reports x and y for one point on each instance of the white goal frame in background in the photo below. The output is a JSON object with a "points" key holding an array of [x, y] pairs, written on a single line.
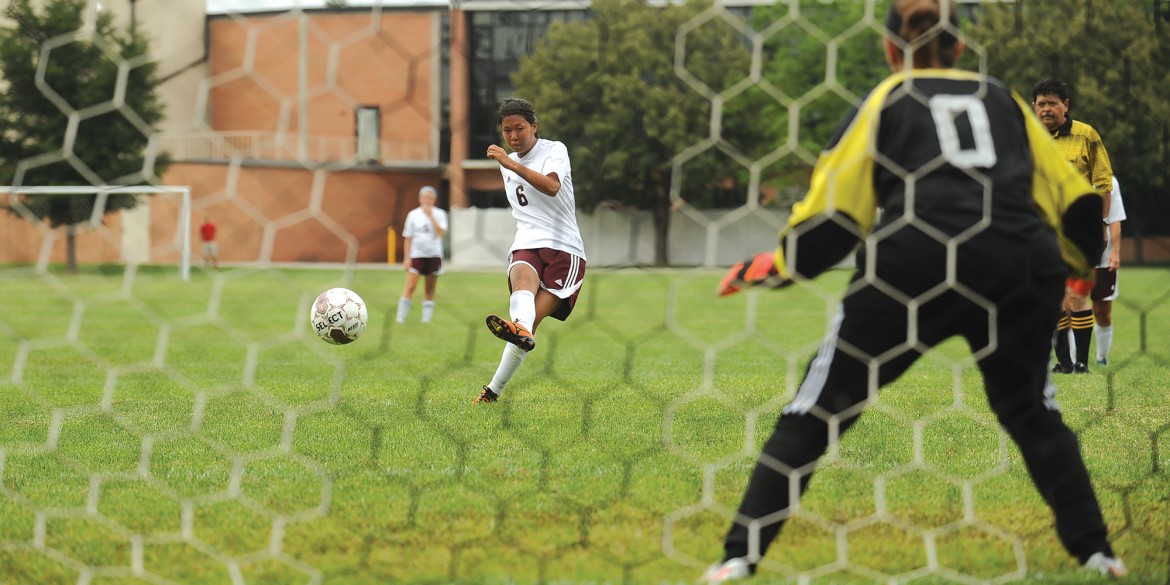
{"points": [[184, 191]]}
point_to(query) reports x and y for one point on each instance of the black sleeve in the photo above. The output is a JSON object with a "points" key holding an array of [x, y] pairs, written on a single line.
{"points": [[1081, 224], [822, 246]]}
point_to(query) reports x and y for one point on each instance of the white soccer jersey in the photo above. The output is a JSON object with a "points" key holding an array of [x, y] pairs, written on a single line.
{"points": [[1116, 214], [543, 221], [425, 242]]}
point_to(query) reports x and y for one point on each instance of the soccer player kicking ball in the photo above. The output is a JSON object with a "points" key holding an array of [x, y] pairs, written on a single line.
{"points": [[546, 264], [978, 208]]}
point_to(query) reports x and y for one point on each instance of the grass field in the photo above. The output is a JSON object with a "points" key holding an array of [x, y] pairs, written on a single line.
{"points": [[160, 431]]}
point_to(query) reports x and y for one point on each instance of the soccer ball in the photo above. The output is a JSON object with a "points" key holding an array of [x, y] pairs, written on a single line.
{"points": [[338, 316]]}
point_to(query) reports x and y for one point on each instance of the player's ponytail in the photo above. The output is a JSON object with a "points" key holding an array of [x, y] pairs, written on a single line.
{"points": [[916, 22]]}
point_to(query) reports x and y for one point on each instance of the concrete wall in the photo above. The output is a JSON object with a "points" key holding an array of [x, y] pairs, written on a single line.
{"points": [[482, 237], [270, 216]]}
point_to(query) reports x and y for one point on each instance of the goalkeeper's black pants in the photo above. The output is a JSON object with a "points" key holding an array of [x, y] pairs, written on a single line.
{"points": [[1025, 285]]}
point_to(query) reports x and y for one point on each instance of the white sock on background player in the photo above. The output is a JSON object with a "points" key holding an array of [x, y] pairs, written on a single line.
{"points": [[428, 311], [1104, 337], [403, 309], [522, 308]]}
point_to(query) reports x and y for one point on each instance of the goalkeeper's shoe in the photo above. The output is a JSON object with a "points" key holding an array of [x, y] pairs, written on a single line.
{"points": [[1106, 565], [727, 571], [513, 333], [486, 396], [757, 270]]}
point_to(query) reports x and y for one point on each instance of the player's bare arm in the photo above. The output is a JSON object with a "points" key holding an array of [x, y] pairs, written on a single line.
{"points": [[1115, 249], [549, 184], [429, 212]]}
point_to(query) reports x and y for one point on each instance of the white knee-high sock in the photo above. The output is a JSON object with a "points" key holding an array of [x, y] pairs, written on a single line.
{"points": [[403, 309], [509, 363], [428, 311], [522, 308], [1104, 337]]}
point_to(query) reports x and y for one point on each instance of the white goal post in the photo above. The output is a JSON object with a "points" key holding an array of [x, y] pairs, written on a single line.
{"points": [[184, 191]]}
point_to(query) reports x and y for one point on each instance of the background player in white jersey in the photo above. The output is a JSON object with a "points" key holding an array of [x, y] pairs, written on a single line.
{"points": [[1105, 285], [422, 236], [546, 264]]}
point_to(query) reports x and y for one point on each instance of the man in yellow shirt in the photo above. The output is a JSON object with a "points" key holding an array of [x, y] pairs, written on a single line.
{"points": [[1080, 144]]}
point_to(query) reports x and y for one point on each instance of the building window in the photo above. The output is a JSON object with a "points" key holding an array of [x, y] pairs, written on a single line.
{"points": [[369, 134], [445, 88], [498, 41]]}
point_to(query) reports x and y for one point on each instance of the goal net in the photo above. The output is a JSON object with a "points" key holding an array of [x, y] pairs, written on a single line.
{"points": [[133, 239]]}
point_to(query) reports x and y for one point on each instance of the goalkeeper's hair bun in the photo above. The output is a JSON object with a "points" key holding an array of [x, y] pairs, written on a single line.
{"points": [[910, 20]]}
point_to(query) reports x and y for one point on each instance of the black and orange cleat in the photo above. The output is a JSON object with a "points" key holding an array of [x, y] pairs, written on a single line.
{"points": [[486, 396], [513, 333]]}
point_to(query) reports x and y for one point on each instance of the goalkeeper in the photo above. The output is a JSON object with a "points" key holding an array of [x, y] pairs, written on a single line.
{"points": [[982, 220]]}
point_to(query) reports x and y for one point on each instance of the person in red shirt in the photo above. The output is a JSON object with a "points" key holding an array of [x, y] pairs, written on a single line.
{"points": [[210, 250]]}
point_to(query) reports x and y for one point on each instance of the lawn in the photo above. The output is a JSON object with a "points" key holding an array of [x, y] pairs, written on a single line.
{"points": [[160, 431]]}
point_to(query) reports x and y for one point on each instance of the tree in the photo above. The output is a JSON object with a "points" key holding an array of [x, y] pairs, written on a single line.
{"points": [[1113, 55], [608, 87], [78, 109], [802, 36]]}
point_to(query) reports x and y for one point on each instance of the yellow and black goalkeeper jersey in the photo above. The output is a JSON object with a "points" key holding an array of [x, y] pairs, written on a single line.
{"points": [[948, 151]]}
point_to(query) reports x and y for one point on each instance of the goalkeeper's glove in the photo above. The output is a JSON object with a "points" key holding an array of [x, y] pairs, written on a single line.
{"points": [[759, 270], [1081, 286]]}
